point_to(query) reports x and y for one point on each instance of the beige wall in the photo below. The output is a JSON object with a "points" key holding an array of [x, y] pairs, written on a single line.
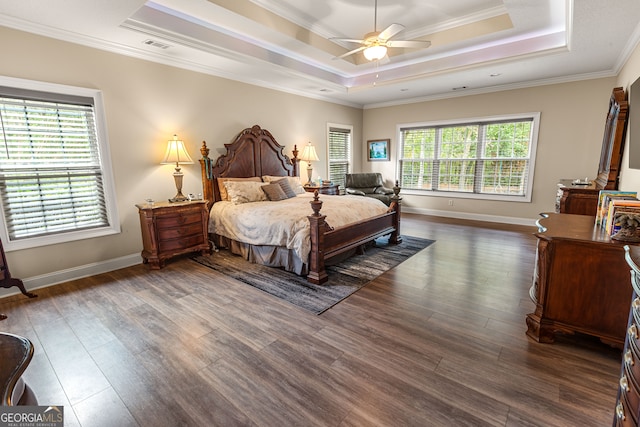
{"points": [[570, 136], [146, 103]]}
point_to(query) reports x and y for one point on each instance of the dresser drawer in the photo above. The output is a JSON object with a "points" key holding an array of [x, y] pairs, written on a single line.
{"points": [[630, 390], [179, 220], [624, 415]]}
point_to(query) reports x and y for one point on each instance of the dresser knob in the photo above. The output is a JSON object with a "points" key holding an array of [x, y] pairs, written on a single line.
{"points": [[620, 411], [624, 384], [628, 358], [633, 331]]}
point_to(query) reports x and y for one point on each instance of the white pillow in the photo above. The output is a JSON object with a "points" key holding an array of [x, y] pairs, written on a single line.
{"points": [[245, 191], [294, 182]]}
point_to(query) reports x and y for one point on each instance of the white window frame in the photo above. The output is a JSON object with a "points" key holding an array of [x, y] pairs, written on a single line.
{"points": [[535, 117], [350, 159], [113, 226]]}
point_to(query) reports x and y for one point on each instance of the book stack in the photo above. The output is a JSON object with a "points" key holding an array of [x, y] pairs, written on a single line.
{"points": [[612, 204]]}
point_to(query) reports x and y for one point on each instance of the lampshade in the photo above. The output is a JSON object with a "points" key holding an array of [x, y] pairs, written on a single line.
{"points": [[176, 153], [375, 52], [309, 154]]}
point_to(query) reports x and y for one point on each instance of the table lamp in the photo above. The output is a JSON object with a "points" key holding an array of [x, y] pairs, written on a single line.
{"points": [[177, 153], [309, 155]]}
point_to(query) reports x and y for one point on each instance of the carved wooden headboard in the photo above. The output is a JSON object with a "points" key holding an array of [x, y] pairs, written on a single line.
{"points": [[254, 152]]}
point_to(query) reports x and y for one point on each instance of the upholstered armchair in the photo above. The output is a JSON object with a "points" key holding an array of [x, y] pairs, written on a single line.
{"points": [[369, 185]]}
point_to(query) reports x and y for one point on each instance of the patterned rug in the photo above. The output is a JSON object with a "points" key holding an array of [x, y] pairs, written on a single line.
{"points": [[345, 278]]}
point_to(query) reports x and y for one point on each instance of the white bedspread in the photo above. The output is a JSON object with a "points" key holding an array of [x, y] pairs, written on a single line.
{"points": [[285, 223]]}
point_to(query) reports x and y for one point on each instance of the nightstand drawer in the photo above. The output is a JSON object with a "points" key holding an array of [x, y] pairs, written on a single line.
{"points": [[178, 244], [168, 221], [178, 232]]}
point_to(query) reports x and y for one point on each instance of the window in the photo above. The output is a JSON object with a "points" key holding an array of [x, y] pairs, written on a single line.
{"points": [[55, 179], [339, 152], [485, 158]]}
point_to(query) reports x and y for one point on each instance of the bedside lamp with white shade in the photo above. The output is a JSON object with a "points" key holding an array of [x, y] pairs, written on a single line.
{"points": [[177, 154], [309, 155]]}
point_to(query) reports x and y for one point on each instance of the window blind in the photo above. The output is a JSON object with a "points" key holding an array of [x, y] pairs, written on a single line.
{"points": [[339, 154], [51, 178]]}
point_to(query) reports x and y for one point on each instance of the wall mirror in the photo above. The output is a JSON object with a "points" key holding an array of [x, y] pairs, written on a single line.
{"points": [[613, 141]]}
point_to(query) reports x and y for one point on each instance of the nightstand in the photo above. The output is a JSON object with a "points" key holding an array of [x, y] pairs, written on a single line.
{"points": [[332, 189], [170, 229]]}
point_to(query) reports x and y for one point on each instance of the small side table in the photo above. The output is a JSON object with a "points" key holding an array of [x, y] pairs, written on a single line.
{"points": [[171, 229], [332, 189]]}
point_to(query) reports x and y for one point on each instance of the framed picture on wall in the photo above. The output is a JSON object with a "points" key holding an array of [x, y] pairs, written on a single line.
{"points": [[378, 150]]}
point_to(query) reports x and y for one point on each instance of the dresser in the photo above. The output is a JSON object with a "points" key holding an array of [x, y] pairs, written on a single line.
{"points": [[580, 283], [627, 411], [579, 199], [583, 199], [171, 229]]}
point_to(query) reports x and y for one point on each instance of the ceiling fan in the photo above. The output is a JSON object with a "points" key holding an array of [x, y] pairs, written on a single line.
{"points": [[375, 44]]}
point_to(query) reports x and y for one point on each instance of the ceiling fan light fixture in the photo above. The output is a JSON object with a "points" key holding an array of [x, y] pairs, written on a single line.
{"points": [[375, 53]]}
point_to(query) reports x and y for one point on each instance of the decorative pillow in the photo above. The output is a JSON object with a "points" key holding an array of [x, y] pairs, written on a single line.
{"points": [[275, 192], [245, 191], [286, 187], [294, 182], [223, 190]]}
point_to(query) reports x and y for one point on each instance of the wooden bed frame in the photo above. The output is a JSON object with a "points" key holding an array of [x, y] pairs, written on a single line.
{"points": [[256, 153]]}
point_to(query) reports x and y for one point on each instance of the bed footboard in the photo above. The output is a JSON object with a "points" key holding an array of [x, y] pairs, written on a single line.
{"points": [[327, 242]]}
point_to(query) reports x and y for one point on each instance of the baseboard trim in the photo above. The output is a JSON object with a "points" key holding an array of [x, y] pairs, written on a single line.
{"points": [[61, 276], [471, 216]]}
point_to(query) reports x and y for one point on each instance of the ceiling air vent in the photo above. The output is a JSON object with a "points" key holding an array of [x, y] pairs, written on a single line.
{"points": [[157, 44]]}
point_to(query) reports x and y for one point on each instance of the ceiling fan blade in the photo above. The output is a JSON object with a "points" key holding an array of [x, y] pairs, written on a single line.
{"points": [[351, 52], [390, 31], [417, 44], [337, 39]]}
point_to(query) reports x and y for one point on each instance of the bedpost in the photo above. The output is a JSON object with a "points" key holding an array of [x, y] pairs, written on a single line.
{"points": [[317, 273], [295, 161], [206, 166], [395, 237]]}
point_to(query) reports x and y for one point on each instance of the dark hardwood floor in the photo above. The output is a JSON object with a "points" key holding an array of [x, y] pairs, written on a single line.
{"points": [[437, 341]]}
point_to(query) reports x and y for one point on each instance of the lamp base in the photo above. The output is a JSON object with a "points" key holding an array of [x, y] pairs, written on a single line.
{"points": [[179, 198], [309, 174]]}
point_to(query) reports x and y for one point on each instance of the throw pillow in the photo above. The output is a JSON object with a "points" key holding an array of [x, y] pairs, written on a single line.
{"points": [[245, 191], [294, 182], [274, 192], [223, 190], [286, 187]]}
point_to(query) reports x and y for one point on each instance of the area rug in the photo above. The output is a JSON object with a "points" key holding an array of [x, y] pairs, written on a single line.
{"points": [[345, 278]]}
